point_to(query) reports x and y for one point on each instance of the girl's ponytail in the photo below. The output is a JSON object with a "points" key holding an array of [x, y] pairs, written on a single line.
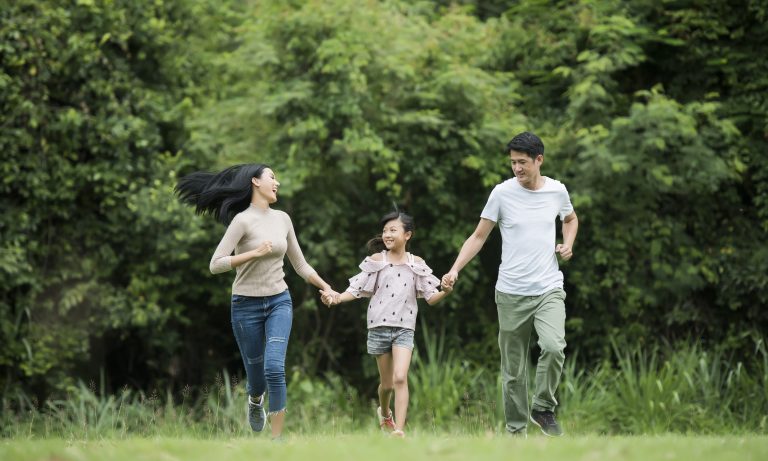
{"points": [[376, 244]]}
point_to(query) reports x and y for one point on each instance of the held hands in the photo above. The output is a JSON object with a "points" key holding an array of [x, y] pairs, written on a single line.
{"points": [[329, 297], [448, 280], [565, 251]]}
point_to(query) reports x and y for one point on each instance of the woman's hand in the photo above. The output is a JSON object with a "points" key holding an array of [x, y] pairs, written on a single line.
{"points": [[329, 297], [264, 249]]}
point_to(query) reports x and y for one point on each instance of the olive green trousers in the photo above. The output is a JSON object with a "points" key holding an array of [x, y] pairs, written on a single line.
{"points": [[517, 316]]}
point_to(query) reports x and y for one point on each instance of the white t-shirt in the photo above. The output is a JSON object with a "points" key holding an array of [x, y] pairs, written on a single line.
{"points": [[526, 219]]}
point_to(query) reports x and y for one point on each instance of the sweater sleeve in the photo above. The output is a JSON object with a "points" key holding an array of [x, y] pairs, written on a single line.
{"points": [[300, 265], [221, 261]]}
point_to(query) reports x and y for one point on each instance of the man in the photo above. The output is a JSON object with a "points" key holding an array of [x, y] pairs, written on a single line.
{"points": [[529, 290]]}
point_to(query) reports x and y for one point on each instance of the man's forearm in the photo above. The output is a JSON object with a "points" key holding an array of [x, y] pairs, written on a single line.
{"points": [[570, 229], [469, 250]]}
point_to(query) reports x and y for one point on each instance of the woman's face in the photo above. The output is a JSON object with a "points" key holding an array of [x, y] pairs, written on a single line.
{"points": [[394, 235], [267, 185]]}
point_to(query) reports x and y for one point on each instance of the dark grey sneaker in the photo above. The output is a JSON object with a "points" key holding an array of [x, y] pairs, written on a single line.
{"points": [[547, 422], [257, 417]]}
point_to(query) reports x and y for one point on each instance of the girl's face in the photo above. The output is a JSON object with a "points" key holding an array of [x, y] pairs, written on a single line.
{"points": [[394, 235], [267, 185]]}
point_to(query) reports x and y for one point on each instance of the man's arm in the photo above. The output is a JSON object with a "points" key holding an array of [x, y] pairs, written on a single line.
{"points": [[469, 249], [570, 228]]}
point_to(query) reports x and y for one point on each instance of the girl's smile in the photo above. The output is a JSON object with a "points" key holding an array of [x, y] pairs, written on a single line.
{"points": [[394, 235]]}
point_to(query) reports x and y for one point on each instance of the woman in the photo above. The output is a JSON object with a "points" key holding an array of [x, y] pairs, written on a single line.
{"points": [[262, 312]]}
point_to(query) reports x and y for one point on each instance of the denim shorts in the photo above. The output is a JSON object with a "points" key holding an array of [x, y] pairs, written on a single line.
{"points": [[381, 339]]}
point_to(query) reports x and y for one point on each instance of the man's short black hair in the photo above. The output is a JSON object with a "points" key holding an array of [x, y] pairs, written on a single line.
{"points": [[528, 143]]}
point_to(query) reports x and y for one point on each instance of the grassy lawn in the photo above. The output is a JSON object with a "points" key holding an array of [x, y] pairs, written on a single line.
{"points": [[377, 447]]}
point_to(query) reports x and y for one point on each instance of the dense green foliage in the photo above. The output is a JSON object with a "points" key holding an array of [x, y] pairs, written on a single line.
{"points": [[654, 114], [94, 249]]}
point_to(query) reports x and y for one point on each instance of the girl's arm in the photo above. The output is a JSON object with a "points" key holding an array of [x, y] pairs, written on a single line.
{"points": [[437, 297], [330, 297], [360, 286]]}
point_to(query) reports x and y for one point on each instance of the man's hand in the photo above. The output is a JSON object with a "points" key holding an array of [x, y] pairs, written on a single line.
{"points": [[565, 251], [449, 279]]}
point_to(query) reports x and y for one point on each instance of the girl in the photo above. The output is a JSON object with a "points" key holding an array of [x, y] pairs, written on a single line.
{"points": [[393, 279], [262, 312]]}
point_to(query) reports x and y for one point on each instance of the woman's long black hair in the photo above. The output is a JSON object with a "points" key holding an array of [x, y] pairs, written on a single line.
{"points": [[376, 244], [223, 194]]}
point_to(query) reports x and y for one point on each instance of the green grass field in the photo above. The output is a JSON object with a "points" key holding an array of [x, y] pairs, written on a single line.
{"points": [[378, 447], [684, 404]]}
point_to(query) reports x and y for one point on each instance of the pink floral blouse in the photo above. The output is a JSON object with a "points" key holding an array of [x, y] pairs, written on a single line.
{"points": [[393, 289]]}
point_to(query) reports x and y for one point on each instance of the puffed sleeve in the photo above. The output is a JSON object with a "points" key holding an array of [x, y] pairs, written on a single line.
{"points": [[364, 284], [426, 283]]}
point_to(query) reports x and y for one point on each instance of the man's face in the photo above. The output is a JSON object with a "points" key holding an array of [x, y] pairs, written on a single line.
{"points": [[526, 169]]}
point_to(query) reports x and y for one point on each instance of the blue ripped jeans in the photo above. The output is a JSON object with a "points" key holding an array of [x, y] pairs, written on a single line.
{"points": [[262, 326]]}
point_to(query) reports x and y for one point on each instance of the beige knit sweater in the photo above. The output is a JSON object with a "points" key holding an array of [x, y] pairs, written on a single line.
{"points": [[261, 276]]}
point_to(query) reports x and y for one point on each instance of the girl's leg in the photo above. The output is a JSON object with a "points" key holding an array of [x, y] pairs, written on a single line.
{"points": [[386, 386], [401, 361], [278, 330]]}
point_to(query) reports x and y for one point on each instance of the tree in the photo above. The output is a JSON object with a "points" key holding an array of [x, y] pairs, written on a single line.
{"points": [[95, 95]]}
